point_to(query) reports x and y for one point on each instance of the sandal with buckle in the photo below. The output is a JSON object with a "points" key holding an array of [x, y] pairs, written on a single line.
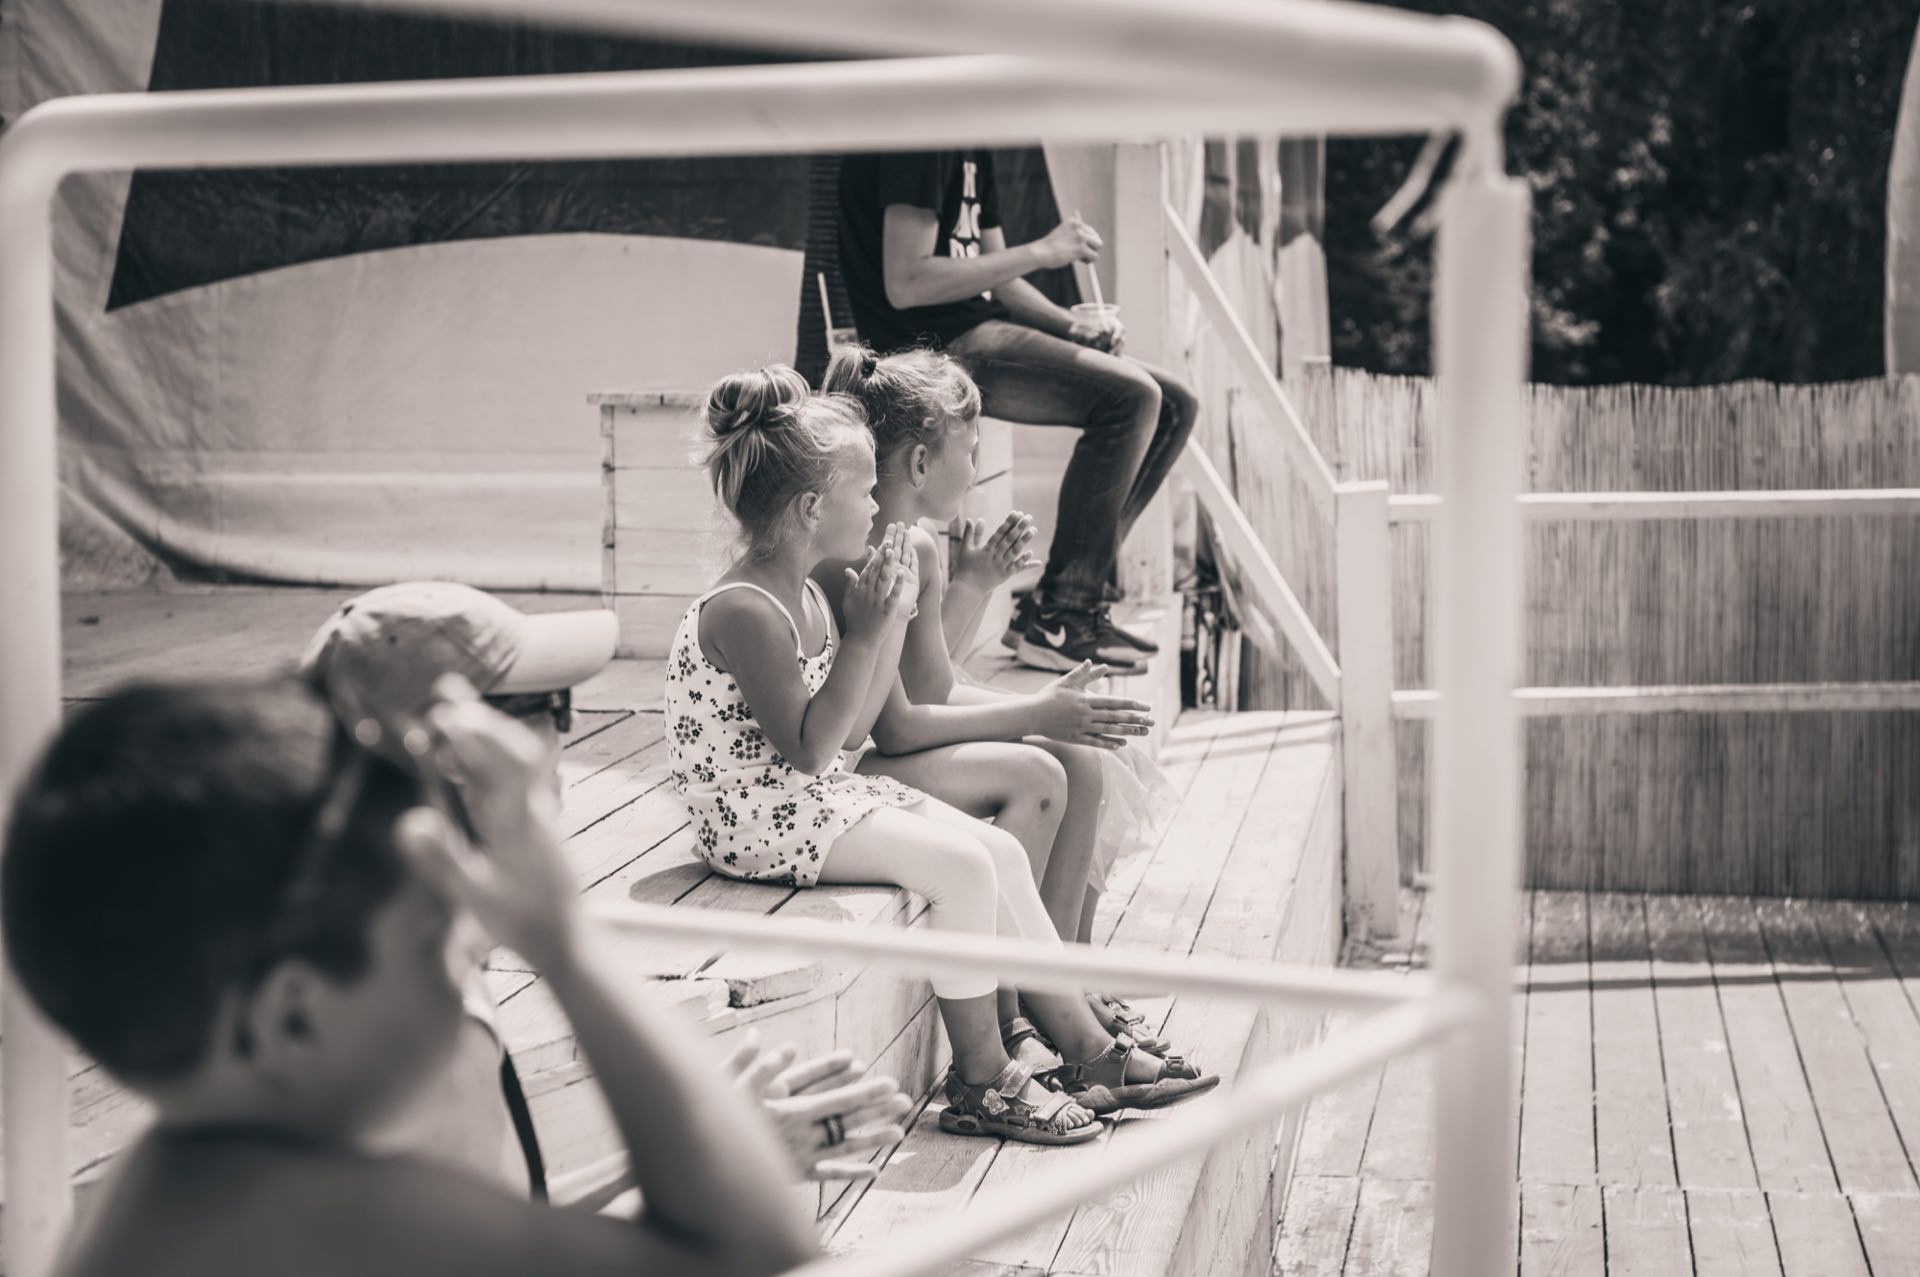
{"points": [[1018, 1030], [1123, 1018], [997, 1108], [1101, 1087]]}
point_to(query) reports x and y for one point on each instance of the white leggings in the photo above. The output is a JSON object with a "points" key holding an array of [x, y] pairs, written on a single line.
{"points": [[976, 878]]}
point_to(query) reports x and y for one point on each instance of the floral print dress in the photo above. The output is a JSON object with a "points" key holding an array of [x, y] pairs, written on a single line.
{"points": [[754, 814]]}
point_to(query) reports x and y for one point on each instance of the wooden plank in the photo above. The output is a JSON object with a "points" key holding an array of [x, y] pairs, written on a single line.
{"points": [[1890, 1229], [1789, 1150], [1248, 804], [1392, 1229], [1319, 1221], [929, 1177], [587, 756], [1881, 1008], [1817, 1235], [1632, 1140], [627, 683], [1333, 1137], [1556, 1106], [648, 623], [1866, 1150], [1400, 1143], [1646, 1232], [1560, 1231], [1709, 1135], [1731, 1233]]}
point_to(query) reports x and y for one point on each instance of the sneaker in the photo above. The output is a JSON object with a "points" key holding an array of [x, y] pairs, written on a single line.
{"points": [[1111, 634], [1023, 609], [1061, 639]]}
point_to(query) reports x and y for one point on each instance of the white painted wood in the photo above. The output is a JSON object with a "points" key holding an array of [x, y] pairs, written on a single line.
{"points": [[1139, 247], [1260, 573], [1480, 356], [1700, 698], [1245, 353], [1365, 611], [1031, 964]]}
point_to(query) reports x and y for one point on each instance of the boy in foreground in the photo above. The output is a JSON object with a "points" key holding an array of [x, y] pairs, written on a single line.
{"points": [[239, 904]]}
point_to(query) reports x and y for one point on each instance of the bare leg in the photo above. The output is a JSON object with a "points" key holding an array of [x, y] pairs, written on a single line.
{"points": [[936, 851], [1065, 1017], [1063, 887], [1014, 784], [1017, 787]]}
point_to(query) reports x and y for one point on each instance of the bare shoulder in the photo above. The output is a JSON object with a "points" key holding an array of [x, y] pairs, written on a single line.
{"points": [[743, 621]]}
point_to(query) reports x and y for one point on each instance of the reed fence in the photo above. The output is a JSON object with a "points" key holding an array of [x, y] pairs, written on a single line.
{"points": [[1776, 804]]}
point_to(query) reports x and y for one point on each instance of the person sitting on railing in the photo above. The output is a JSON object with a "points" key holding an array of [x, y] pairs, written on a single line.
{"points": [[387, 648], [1049, 767], [763, 694], [241, 905], [926, 263]]}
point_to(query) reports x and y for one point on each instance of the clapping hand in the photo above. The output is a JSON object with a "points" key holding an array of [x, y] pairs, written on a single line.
{"points": [[826, 1113], [986, 561], [1068, 712]]}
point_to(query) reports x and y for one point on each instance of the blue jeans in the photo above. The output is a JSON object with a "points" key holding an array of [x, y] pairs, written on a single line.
{"points": [[1133, 420]]}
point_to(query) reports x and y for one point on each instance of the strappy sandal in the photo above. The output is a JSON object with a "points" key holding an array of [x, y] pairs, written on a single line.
{"points": [[1123, 1018], [1018, 1030], [1101, 1087], [997, 1108]]}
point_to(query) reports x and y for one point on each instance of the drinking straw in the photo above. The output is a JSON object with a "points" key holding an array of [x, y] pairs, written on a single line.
{"points": [[1093, 270], [826, 307]]}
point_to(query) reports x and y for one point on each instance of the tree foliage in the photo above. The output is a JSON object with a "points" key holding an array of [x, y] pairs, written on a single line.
{"points": [[1709, 182]]}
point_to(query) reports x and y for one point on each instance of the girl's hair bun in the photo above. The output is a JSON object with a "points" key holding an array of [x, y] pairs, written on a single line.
{"points": [[754, 400]]}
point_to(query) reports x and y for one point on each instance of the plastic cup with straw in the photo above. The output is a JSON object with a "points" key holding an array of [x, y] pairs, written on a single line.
{"points": [[1102, 314]]}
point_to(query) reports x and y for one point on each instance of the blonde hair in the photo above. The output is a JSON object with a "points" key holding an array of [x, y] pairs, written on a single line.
{"points": [[771, 441], [912, 397]]}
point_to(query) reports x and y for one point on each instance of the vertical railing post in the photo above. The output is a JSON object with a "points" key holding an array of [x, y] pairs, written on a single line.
{"points": [[1141, 287], [1480, 333], [1363, 585], [33, 1108]]}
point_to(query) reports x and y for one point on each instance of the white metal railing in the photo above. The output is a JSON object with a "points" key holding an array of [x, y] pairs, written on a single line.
{"points": [[1203, 65], [1360, 683]]}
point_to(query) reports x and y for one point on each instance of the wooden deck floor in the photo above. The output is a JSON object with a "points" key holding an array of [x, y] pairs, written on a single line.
{"points": [[1707, 1085]]}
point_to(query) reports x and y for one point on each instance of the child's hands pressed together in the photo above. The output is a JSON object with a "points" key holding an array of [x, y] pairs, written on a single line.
{"points": [[1066, 711], [985, 560], [885, 586]]}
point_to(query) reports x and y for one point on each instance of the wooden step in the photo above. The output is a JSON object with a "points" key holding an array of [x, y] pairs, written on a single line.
{"points": [[1250, 869]]}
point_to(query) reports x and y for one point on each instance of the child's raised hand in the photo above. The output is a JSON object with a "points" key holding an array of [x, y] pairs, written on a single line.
{"points": [[1066, 711], [986, 562], [512, 877]]}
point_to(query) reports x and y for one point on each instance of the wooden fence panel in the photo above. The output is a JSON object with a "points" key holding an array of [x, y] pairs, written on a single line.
{"points": [[1820, 804]]}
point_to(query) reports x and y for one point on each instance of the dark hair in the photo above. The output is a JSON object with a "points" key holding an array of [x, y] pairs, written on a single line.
{"points": [[149, 850], [772, 439], [911, 397]]}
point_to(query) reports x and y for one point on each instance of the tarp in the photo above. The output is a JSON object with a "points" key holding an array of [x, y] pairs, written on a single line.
{"points": [[360, 374]]}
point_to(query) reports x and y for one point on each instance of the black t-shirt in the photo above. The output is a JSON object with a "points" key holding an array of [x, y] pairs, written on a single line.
{"points": [[958, 186]]}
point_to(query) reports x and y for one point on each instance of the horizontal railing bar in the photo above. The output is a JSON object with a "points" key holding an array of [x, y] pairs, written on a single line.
{"points": [[740, 110], [1145, 1147], [1261, 383], [1706, 698], [1327, 56], [1566, 507], [1069, 968], [1261, 574]]}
